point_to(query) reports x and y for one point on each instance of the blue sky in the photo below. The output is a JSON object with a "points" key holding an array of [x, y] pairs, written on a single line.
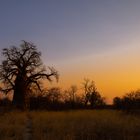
{"points": [[65, 27], [83, 34]]}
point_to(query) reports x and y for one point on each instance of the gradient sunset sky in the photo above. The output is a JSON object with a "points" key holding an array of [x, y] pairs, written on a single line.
{"points": [[95, 39]]}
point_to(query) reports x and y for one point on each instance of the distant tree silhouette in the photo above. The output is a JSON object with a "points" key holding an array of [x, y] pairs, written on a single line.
{"points": [[92, 96], [51, 99], [86, 87], [21, 70], [117, 102], [70, 96], [129, 101], [53, 94], [71, 93]]}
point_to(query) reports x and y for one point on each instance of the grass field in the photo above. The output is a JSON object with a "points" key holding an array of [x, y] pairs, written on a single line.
{"points": [[12, 125], [72, 125]]}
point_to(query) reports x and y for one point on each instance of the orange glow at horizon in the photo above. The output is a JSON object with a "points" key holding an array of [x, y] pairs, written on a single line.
{"points": [[114, 73]]}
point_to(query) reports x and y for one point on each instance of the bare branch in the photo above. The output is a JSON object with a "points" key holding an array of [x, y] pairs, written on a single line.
{"points": [[6, 90]]}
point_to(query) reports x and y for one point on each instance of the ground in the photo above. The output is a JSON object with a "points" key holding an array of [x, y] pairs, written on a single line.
{"points": [[71, 125]]}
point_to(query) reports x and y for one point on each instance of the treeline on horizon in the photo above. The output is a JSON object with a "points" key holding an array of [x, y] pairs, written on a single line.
{"points": [[55, 98]]}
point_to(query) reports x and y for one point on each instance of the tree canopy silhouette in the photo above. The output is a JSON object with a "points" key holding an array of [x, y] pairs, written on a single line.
{"points": [[22, 70], [130, 101], [92, 96]]}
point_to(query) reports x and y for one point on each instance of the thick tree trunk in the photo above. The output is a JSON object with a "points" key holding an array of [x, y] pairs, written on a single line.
{"points": [[20, 93], [19, 98]]}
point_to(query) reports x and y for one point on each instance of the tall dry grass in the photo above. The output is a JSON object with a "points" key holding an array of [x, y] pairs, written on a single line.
{"points": [[12, 125], [71, 125], [85, 125]]}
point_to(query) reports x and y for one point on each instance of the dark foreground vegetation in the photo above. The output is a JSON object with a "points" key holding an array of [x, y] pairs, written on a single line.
{"points": [[71, 125]]}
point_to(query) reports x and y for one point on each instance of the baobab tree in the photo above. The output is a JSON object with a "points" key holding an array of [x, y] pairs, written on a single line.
{"points": [[22, 70]]}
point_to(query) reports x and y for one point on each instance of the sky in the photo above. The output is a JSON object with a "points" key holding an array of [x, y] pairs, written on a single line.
{"points": [[95, 39]]}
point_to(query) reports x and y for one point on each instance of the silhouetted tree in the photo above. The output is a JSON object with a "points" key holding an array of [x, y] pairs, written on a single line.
{"points": [[72, 92], [21, 70], [86, 85], [117, 103], [92, 96], [130, 101], [70, 95], [54, 94]]}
